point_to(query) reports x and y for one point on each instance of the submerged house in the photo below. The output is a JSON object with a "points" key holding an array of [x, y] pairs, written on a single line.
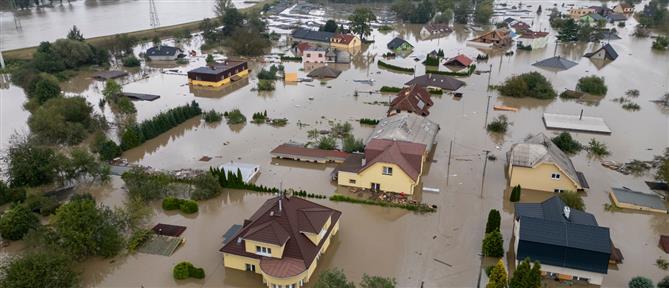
{"points": [[218, 74], [538, 164], [592, 19], [532, 40], [314, 55], [568, 243], [282, 241], [635, 200], [606, 52], [577, 13], [494, 39], [436, 81], [460, 61], [412, 99], [407, 127], [312, 36], [399, 45], [435, 30], [624, 8], [163, 53], [345, 41]]}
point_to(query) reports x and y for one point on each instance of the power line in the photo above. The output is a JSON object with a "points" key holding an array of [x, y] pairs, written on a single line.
{"points": [[153, 12]]}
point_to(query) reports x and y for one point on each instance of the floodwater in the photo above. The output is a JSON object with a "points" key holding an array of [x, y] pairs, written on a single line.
{"points": [[96, 18], [382, 241]]}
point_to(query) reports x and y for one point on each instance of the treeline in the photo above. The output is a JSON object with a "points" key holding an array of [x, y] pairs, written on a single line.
{"points": [[232, 180], [243, 33], [135, 135], [393, 67]]}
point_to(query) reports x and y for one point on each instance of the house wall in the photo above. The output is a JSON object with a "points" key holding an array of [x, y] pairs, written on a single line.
{"points": [[566, 273], [314, 237], [250, 246], [579, 12], [399, 182], [539, 178], [536, 43], [601, 55], [164, 58], [633, 206], [223, 82], [354, 43], [312, 56], [239, 262]]}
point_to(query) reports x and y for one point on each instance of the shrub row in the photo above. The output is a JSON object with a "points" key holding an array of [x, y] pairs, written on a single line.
{"points": [[393, 67], [290, 58], [184, 205], [135, 135], [304, 194], [389, 89], [367, 121], [411, 207]]}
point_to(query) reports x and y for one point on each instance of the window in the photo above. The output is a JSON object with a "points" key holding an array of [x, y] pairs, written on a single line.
{"points": [[308, 54], [376, 187], [320, 54], [351, 181], [250, 267], [257, 249], [555, 176], [558, 190], [387, 170]]}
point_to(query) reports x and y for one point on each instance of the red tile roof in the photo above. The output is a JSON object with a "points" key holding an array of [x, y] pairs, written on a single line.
{"points": [[291, 214], [520, 26], [407, 155], [460, 59], [343, 38], [298, 150], [415, 99]]}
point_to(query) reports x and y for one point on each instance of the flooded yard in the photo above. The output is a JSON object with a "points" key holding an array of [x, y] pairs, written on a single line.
{"points": [[384, 241]]}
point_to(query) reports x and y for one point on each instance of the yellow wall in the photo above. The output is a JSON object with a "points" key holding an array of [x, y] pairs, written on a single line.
{"points": [[277, 251], [539, 178], [399, 182], [354, 43], [239, 262], [219, 83], [315, 237]]}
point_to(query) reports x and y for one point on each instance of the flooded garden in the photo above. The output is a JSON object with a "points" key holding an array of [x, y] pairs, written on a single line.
{"points": [[440, 249]]}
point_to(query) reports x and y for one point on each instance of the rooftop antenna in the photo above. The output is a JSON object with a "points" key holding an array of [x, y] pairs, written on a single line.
{"points": [[155, 22]]}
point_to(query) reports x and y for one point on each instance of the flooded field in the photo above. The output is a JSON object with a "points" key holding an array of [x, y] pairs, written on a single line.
{"points": [[383, 241], [96, 18]]}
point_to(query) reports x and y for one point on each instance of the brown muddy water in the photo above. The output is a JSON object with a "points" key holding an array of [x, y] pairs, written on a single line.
{"points": [[383, 241]]}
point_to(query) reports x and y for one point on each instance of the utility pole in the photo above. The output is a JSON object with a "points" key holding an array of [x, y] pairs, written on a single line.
{"points": [[489, 75], [484, 166], [487, 109], [448, 168], [153, 13]]}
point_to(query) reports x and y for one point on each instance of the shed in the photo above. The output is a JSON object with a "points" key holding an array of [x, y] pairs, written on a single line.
{"points": [[140, 96], [459, 61], [163, 53], [290, 77], [630, 199], [606, 52], [399, 44], [168, 230], [556, 62], [324, 72], [249, 171]]}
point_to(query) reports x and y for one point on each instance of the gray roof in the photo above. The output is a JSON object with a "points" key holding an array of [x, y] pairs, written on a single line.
{"points": [[312, 35], [639, 198], [541, 149], [324, 72], [408, 127], [397, 42], [436, 80], [610, 52], [162, 50], [547, 235], [616, 17], [556, 62]]}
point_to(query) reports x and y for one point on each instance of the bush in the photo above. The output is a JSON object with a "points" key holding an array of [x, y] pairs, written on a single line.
{"points": [[41, 204], [138, 238], [566, 143], [499, 124], [39, 269], [109, 150], [531, 84], [16, 222], [185, 270], [131, 61], [125, 105], [8, 195], [640, 282], [327, 143], [494, 220], [389, 89], [350, 144], [597, 148], [661, 43], [367, 121], [235, 116], [265, 85], [212, 116], [631, 106], [573, 200], [515, 194], [45, 88], [570, 94], [188, 206], [259, 117], [431, 61], [206, 187], [592, 85], [171, 203], [493, 244], [62, 121], [664, 283], [268, 74]]}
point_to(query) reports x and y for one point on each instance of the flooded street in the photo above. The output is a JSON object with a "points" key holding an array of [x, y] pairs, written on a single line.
{"points": [[96, 18], [384, 241]]}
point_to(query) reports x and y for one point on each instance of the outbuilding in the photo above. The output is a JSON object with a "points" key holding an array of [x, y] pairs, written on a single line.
{"points": [[163, 53]]}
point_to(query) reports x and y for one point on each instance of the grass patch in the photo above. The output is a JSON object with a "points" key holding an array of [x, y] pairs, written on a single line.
{"points": [[422, 208], [291, 58]]}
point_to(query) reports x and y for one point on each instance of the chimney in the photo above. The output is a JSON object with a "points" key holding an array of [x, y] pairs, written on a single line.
{"points": [[566, 212]]}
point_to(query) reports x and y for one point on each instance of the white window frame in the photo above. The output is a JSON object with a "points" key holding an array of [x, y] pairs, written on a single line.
{"points": [[555, 176], [387, 170], [264, 251]]}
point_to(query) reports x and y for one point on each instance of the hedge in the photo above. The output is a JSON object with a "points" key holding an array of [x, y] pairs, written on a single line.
{"points": [[367, 121], [393, 67], [184, 205], [389, 89], [289, 58], [411, 207], [467, 73], [185, 270]]}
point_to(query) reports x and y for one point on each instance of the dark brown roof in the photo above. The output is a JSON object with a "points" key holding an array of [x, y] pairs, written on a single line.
{"points": [[168, 230], [436, 80], [268, 232], [297, 150], [407, 155], [298, 248], [415, 99]]}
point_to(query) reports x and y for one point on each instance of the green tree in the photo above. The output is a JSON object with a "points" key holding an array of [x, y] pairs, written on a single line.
{"points": [[156, 41], [360, 20], [664, 283], [493, 244], [75, 34], [404, 9], [592, 85], [461, 11], [330, 26], [423, 13], [144, 185], [81, 163], [350, 144], [62, 120], [45, 59], [444, 17], [73, 53], [82, 229], [527, 275], [232, 21], [498, 276], [31, 165], [112, 90], [568, 31], [494, 220], [39, 270], [206, 187], [531, 84], [123, 43], [663, 169], [327, 143], [220, 7], [377, 282], [483, 12], [16, 222], [210, 59], [573, 200], [566, 143], [248, 42], [515, 194], [597, 148], [333, 279], [45, 88], [640, 282]]}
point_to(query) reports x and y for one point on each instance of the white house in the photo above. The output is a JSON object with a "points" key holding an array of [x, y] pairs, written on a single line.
{"points": [[533, 40]]}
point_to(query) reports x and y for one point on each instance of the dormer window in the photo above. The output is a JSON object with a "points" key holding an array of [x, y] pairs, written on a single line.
{"points": [[264, 251]]}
